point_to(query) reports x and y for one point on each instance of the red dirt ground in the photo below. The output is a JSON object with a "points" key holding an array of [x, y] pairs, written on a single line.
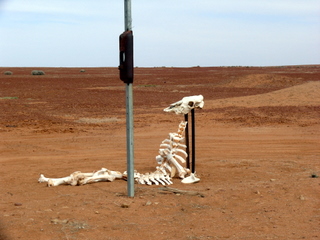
{"points": [[257, 153]]}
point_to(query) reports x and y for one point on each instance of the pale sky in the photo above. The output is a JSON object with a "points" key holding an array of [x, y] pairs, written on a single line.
{"points": [[172, 33]]}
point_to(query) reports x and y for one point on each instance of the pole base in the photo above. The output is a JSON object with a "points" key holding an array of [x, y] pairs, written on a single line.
{"points": [[191, 179]]}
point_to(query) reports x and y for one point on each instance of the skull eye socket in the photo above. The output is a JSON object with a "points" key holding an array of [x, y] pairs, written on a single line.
{"points": [[191, 104]]}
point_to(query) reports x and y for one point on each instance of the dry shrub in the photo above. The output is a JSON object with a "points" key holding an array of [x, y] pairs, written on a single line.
{"points": [[37, 72], [8, 73]]}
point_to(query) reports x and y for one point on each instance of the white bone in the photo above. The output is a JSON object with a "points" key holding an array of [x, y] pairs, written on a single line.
{"points": [[58, 181], [146, 179], [181, 170], [191, 179], [163, 176], [42, 179], [79, 178], [101, 178], [182, 151], [173, 171], [151, 177], [104, 172], [136, 175], [165, 145], [161, 170], [166, 180], [175, 137], [180, 158], [185, 105], [159, 159], [180, 145], [157, 177], [141, 180], [169, 179], [167, 166], [70, 180]]}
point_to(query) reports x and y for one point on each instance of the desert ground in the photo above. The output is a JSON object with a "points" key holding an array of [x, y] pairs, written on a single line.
{"points": [[257, 153]]}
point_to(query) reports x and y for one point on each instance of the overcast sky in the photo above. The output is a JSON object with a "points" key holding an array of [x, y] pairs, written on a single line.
{"points": [[178, 33]]}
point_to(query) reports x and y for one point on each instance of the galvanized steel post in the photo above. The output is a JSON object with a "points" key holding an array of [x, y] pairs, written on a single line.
{"points": [[127, 15], [129, 112]]}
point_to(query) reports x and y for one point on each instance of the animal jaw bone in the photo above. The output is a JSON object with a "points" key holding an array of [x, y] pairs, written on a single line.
{"points": [[79, 178], [186, 104]]}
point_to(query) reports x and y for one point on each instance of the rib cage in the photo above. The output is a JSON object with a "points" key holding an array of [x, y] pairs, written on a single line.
{"points": [[171, 150]]}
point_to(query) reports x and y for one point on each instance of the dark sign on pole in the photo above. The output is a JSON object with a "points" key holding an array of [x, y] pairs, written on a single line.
{"points": [[126, 57]]}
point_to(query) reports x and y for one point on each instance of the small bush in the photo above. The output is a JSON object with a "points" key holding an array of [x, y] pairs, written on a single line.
{"points": [[37, 72], [8, 73], [82, 70]]}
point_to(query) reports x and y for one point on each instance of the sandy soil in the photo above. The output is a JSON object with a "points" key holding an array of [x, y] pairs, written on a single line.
{"points": [[257, 153]]}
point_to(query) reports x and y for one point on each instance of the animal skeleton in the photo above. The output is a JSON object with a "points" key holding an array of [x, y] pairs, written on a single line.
{"points": [[186, 104], [171, 150]]}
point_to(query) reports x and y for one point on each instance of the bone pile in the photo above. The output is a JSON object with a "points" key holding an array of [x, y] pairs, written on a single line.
{"points": [[171, 152]]}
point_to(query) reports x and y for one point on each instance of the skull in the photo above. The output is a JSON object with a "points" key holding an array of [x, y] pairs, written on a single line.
{"points": [[185, 105]]}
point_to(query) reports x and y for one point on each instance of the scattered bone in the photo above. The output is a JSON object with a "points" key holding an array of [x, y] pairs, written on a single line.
{"points": [[79, 178], [69, 180], [103, 175]]}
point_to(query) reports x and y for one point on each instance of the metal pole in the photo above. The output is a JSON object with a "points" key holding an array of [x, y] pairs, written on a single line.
{"points": [[186, 119], [193, 142], [130, 142], [129, 112], [127, 15]]}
